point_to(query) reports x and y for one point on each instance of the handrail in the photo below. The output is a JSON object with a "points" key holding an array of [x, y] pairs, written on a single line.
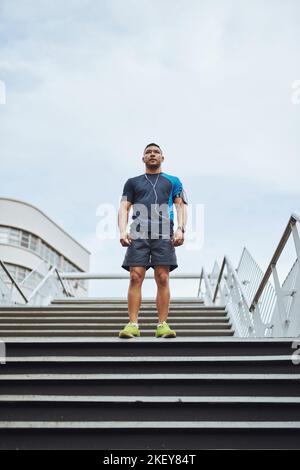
{"points": [[237, 280], [13, 281], [77, 275], [295, 217]]}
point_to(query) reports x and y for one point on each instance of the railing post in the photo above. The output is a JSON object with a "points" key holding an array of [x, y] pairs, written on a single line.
{"points": [[296, 242], [208, 291], [281, 310], [243, 310], [219, 280], [199, 288], [259, 325], [14, 283], [62, 283]]}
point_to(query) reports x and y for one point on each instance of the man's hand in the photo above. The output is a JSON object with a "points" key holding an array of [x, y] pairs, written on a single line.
{"points": [[178, 238], [125, 239]]}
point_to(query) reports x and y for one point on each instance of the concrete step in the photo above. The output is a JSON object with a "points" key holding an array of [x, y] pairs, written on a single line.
{"points": [[104, 320], [120, 308], [33, 408], [115, 347], [108, 326], [50, 332], [150, 365], [152, 384], [122, 300], [149, 435], [111, 315], [105, 309]]}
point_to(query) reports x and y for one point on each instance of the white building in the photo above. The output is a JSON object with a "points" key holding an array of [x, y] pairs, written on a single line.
{"points": [[31, 241]]}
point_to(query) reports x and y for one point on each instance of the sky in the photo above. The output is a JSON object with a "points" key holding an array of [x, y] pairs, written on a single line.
{"points": [[90, 83]]}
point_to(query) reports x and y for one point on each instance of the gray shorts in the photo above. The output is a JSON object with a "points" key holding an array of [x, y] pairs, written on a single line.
{"points": [[149, 252]]}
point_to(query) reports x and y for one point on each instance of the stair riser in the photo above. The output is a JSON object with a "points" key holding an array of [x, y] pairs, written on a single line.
{"points": [[103, 333], [110, 327], [136, 347], [106, 312], [154, 387], [123, 300], [151, 368], [103, 321], [148, 412], [124, 305], [149, 439]]}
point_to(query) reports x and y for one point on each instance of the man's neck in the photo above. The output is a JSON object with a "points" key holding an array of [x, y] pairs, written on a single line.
{"points": [[153, 172]]}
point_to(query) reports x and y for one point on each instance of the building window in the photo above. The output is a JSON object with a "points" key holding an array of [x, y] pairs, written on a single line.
{"points": [[25, 239], [34, 242], [14, 236], [4, 234], [29, 241]]}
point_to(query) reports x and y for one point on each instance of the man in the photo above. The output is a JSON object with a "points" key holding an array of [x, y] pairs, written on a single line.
{"points": [[151, 241]]}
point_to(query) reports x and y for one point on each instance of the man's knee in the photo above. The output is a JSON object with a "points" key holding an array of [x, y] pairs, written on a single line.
{"points": [[136, 276], [162, 278]]}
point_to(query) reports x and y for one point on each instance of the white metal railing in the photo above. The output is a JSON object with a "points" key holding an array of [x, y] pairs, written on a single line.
{"points": [[290, 285], [39, 292], [251, 275], [210, 281], [112, 276], [5, 293], [56, 284], [256, 306], [78, 275], [207, 295], [50, 286]]}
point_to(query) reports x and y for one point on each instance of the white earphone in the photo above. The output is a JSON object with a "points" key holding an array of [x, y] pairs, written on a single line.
{"points": [[156, 197]]}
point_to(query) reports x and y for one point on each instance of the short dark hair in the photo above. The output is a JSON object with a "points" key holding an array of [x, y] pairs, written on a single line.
{"points": [[152, 143]]}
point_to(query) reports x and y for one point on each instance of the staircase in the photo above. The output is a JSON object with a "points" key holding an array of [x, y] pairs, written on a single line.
{"points": [[70, 383], [105, 318]]}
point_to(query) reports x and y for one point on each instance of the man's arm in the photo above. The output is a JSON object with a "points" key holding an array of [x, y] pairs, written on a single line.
{"points": [[123, 214], [181, 221], [126, 202]]}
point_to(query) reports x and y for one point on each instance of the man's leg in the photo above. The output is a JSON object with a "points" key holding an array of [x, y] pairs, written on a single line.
{"points": [[161, 275], [137, 275]]}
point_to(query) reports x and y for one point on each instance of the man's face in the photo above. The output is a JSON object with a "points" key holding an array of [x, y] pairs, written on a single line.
{"points": [[153, 157]]}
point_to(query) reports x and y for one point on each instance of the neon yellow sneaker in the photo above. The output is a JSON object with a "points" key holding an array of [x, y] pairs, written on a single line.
{"points": [[164, 331], [129, 331]]}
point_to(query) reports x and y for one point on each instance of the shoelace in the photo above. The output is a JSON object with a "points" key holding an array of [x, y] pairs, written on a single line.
{"points": [[163, 324]]}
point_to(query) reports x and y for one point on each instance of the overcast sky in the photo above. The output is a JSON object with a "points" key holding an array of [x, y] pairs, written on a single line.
{"points": [[89, 83]]}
